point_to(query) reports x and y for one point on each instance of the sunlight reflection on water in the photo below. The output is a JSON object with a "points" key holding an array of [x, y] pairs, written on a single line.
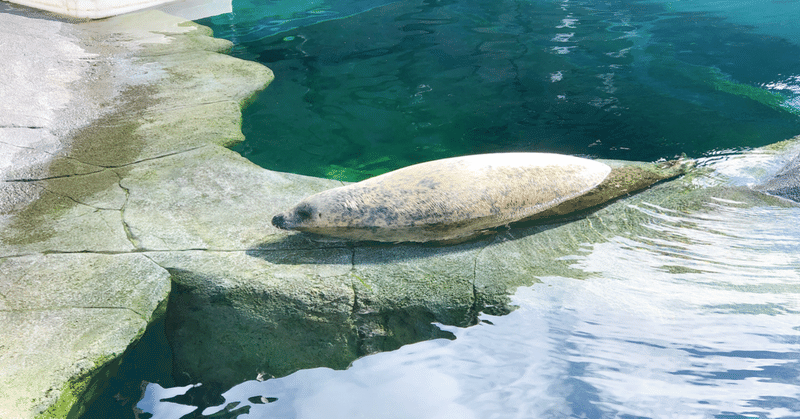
{"points": [[694, 316]]}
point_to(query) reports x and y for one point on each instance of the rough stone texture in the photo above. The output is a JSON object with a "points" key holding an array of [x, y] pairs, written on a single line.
{"points": [[177, 202], [237, 313], [84, 105], [64, 316], [35, 88]]}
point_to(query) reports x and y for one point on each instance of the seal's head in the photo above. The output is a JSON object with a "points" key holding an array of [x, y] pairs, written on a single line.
{"points": [[339, 212], [296, 218]]}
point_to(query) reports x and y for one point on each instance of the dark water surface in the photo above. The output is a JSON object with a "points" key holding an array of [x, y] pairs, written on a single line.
{"points": [[417, 80]]}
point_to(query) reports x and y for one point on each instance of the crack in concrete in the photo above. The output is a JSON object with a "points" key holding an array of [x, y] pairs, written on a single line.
{"points": [[160, 156], [31, 180], [161, 267], [194, 105], [145, 318], [79, 202], [13, 126], [269, 249], [31, 310], [125, 226], [475, 294], [136, 251], [101, 168], [54, 156], [141, 250], [358, 313], [22, 146], [352, 283], [154, 262]]}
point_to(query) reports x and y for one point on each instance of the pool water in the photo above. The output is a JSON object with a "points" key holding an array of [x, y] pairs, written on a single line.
{"points": [[683, 313], [663, 313], [358, 94]]}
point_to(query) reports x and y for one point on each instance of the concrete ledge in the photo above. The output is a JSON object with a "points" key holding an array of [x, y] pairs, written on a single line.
{"points": [[84, 105], [91, 9]]}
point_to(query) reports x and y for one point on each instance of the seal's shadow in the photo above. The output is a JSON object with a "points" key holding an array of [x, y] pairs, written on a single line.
{"points": [[304, 248]]}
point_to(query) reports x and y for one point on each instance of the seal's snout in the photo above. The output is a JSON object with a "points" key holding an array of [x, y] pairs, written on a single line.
{"points": [[279, 221]]}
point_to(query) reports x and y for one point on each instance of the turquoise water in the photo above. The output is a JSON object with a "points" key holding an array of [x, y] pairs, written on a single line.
{"points": [[670, 313], [360, 94]]}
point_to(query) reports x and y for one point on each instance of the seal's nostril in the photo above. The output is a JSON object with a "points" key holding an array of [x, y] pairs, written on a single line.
{"points": [[278, 221]]}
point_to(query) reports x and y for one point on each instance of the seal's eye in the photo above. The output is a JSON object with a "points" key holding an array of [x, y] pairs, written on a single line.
{"points": [[303, 212]]}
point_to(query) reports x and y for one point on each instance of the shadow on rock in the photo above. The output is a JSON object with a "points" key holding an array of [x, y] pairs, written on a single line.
{"points": [[291, 250], [299, 248]]}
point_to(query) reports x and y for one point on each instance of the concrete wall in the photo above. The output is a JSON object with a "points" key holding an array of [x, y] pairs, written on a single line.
{"points": [[96, 9]]}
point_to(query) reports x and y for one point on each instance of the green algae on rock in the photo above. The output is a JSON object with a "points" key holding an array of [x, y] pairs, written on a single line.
{"points": [[74, 294], [66, 316]]}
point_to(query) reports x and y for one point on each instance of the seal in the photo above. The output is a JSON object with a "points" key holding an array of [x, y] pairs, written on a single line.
{"points": [[444, 200]]}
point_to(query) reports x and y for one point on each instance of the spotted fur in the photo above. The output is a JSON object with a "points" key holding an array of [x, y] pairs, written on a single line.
{"points": [[447, 199]]}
